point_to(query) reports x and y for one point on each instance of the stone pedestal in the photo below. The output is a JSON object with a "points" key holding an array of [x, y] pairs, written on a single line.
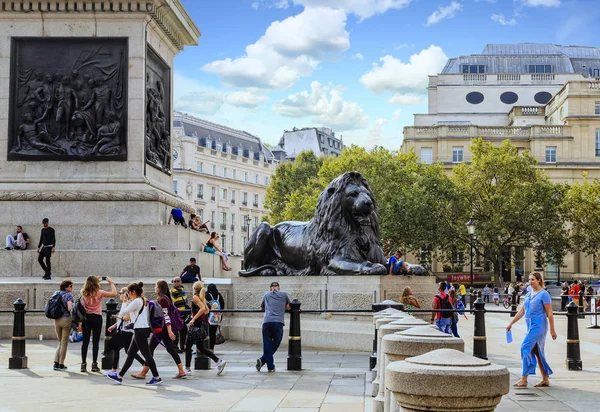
{"points": [[408, 343], [428, 382], [85, 139]]}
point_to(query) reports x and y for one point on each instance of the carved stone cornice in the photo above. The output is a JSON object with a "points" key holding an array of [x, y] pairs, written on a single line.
{"points": [[169, 15], [95, 196]]}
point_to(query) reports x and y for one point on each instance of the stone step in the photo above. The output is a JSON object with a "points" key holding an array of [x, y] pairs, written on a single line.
{"points": [[115, 237], [131, 264]]}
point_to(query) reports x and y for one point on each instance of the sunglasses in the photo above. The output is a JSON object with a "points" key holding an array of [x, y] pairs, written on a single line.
{"points": [[176, 281]]}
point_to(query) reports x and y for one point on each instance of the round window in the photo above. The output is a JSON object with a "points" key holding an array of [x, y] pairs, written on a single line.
{"points": [[509, 97], [474, 97], [542, 97]]}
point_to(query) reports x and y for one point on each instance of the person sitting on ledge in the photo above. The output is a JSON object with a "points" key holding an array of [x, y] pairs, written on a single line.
{"points": [[19, 241], [397, 265], [212, 246], [202, 226], [193, 223], [191, 273]]}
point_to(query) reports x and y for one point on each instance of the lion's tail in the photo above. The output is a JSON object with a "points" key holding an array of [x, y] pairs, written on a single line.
{"points": [[257, 270]]}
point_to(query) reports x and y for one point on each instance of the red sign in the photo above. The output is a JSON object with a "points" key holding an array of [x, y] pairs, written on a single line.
{"points": [[463, 277]]}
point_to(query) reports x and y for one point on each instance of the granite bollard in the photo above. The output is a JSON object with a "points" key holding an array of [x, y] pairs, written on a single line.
{"points": [[379, 322], [429, 381], [408, 343]]}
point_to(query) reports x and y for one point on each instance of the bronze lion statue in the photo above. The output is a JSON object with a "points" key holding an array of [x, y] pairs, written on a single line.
{"points": [[341, 239]]}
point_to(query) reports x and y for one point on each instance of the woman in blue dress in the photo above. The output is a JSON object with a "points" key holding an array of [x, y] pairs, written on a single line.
{"points": [[537, 309]]}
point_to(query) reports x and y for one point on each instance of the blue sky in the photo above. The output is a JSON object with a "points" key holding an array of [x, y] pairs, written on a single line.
{"points": [[357, 66]]}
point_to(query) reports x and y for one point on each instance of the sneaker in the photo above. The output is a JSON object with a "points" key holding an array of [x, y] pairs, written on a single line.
{"points": [[154, 381], [188, 371], [259, 364], [55, 367], [8, 248], [272, 370], [114, 376], [220, 366], [46, 277], [62, 368], [95, 367], [83, 367]]}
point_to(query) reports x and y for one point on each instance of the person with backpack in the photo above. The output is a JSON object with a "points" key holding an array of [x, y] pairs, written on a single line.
{"points": [[124, 333], [443, 319], [91, 299], [59, 309], [456, 304], [166, 337], [215, 302], [198, 329], [138, 312]]}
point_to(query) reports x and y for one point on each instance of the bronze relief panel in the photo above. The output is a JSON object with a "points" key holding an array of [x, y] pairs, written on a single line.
{"points": [[68, 99]]}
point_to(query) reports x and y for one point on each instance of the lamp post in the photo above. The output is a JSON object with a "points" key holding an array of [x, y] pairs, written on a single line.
{"points": [[471, 229]]}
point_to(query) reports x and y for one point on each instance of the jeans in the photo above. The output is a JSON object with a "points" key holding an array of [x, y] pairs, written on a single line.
{"points": [[92, 326], [454, 328], [272, 333], [18, 243], [486, 298], [45, 253], [444, 325], [188, 279]]}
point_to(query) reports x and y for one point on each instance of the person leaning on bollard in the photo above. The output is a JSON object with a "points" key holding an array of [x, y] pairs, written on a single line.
{"points": [[274, 304], [537, 307]]}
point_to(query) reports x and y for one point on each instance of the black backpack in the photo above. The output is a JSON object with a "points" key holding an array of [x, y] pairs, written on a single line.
{"points": [[55, 308], [78, 312], [445, 304]]}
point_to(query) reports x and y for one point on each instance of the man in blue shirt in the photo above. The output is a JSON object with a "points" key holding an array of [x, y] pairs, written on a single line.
{"points": [[274, 304], [177, 216], [396, 264]]}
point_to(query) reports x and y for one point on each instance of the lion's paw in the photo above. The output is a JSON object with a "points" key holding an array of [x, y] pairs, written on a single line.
{"points": [[376, 269]]}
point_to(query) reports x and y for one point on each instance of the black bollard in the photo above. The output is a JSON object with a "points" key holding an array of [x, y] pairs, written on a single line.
{"points": [[513, 305], [107, 355], [581, 298], [18, 360], [479, 343], [294, 360], [377, 307], [573, 353], [471, 298], [202, 362]]}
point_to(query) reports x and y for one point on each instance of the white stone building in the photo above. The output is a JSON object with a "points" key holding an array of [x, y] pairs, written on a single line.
{"points": [[223, 173], [321, 140]]}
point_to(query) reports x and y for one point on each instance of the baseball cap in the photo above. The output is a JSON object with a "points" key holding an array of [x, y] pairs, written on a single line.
{"points": [[273, 284], [45, 220]]}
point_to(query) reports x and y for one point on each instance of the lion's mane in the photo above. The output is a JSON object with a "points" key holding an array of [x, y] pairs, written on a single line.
{"points": [[333, 229]]}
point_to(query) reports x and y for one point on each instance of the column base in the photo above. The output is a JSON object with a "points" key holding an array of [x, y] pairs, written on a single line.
{"points": [[294, 364], [17, 362], [106, 362], [372, 361], [574, 365]]}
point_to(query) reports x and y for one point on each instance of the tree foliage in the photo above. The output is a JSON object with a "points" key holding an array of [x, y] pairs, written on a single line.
{"points": [[582, 208]]}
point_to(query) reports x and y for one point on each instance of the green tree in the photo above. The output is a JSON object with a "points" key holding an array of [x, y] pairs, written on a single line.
{"points": [[511, 201], [582, 206], [287, 179]]}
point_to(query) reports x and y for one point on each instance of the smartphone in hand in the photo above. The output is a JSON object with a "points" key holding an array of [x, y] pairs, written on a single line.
{"points": [[103, 277]]}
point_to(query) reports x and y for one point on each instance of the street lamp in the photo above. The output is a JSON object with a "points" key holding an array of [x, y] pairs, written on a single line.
{"points": [[247, 220], [471, 229]]}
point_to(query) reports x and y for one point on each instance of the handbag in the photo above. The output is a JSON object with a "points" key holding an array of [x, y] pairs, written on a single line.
{"points": [[197, 334]]}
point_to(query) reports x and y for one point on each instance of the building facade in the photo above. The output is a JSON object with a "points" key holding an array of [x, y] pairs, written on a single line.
{"points": [[320, 140], [544, 98], [223, 173]]}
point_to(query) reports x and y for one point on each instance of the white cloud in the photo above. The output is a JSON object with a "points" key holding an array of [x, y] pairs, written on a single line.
{"points": [[245, 99], [395, 76], [499, 18], [376, 131], [282, 4], [541, 3], [406, 99], [358, 56], [199, 102], [397, 114], [361, 8], [402, 46], [325, 105], [255, 5], [442, 13], [289, 49], [485, 1]]}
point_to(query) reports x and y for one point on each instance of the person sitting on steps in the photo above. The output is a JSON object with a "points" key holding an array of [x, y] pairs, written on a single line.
{"points": [[19, 241], [212, 246]]}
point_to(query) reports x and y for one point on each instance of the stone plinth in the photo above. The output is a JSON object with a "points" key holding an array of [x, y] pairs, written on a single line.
{"points": [[408, 343], [429, 381]]}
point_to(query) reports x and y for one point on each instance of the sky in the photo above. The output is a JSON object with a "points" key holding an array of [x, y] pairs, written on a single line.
{"points": [[359, 67]]}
